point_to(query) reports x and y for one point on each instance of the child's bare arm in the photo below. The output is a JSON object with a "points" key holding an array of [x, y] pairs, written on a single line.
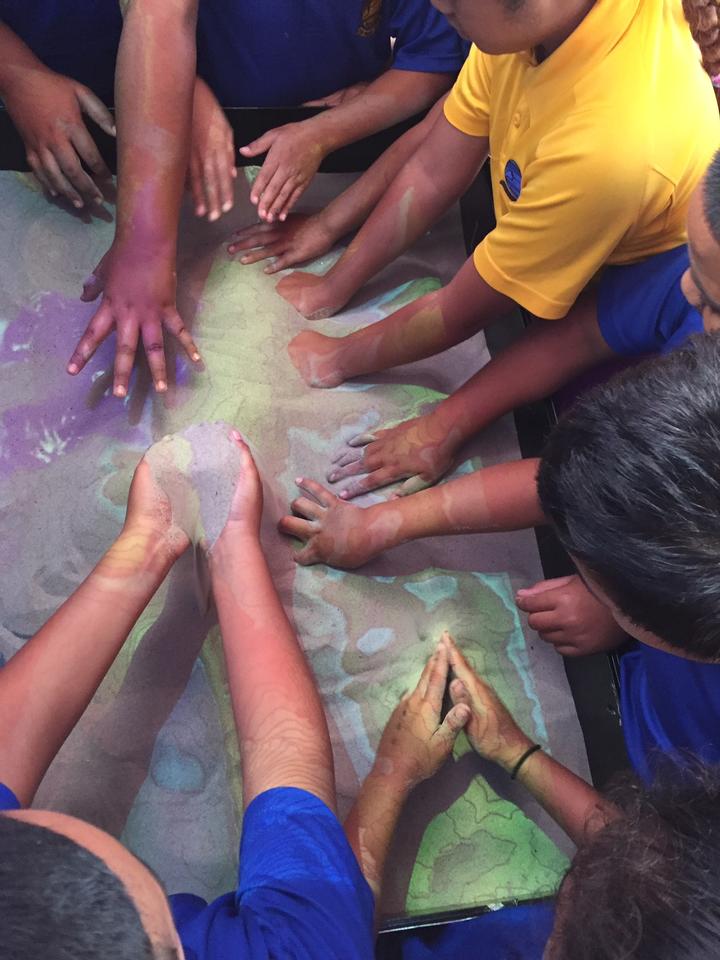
{"points": [[154, 85], [420, 451], [296, 150], [423, 189], [280, 722], [47, 110], [413, 747], [46, 686], [497, 498], [574, 805], [298, 239]]}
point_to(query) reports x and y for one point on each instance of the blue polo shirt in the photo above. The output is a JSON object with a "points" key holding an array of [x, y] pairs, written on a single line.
{"points": [[300, 893], [670, 709], [641, 308], [78, 38], [280, 53]]}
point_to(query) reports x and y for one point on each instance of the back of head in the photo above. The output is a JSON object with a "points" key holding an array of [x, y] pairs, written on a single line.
{"points": [[60, 902], [647, 886], [631, 480]]}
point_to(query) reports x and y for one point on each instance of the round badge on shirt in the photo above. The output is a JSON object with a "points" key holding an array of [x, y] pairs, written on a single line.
{"points": [[512, 184]]}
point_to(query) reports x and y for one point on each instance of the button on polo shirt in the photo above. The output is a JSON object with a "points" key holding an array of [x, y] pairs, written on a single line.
{"points": [[611, 133]]}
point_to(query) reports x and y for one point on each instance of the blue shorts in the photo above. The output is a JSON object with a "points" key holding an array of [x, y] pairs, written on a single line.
{"points": [[641, 308]]}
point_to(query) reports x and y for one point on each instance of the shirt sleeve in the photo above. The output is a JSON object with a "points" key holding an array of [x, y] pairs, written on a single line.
{"points": [[8, 800], [301, 894], [467, 106], [574, 208], [424, 40]]}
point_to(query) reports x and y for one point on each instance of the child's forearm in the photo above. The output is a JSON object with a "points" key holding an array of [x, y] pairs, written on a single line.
{"points": [[492, 500], [280, 722], [421, 192], [392, 97], [353, 206], [154, 85], [572, 803], [47, 685], [546, 357], [371, 823], [15, 58]]}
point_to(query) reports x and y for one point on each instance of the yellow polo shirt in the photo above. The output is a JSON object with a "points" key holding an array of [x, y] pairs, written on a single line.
{"points": [[594, 151]]}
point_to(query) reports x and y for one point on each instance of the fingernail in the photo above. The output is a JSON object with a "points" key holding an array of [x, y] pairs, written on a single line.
{"points": [[161, 386], [78, 204], [53, 193], [114, 131], [196, 357], [99, 200], [253, 198], [344, 495], [244, 259], [283, 217], [299, 480], [227, 206], [236, 435], [72, 368], [214, 215], [120, 391], [233, 172], [332, 477], [200, 211]]}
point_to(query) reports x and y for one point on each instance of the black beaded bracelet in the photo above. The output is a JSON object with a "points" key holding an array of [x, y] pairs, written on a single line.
{"points": [[528, 753]]}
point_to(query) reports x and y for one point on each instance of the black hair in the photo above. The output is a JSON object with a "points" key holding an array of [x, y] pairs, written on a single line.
{"points": [[630, 478], [647, 885], [60, 902], [711, 197]]}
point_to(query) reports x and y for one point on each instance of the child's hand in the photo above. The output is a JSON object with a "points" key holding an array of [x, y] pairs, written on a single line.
{"points": [[415, 744], [567, 615], [418, 451], [295, 240], [492, 731], [246, 509], [334, 532], [294, 154], [47, 110], [212, 156], [138, 301], [309, 294], [149, 513]]}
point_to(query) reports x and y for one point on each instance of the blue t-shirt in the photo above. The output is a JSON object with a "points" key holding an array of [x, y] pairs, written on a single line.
{"points": [[300, 891], [78, 38], [641, 307], [670, 708], [280, 53]]}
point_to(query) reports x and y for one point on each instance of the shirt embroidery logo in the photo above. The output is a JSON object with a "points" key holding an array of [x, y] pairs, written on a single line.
{"points": [[512, 184], [371, 12]]}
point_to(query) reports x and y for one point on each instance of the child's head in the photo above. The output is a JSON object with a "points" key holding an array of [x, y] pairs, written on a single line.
{"points": [[646, 886], [701, 283], [69, 889], [508, 26], [630, 479]]}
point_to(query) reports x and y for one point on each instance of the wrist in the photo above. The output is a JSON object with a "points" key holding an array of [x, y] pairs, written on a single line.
{"points": [[389, 776], [234, 546], [514, 753]]}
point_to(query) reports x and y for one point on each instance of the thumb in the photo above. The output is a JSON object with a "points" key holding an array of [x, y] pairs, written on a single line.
{"points": [[459, 693], [261, 145], [95, 109], [446, 734], [92, 287], [544, 585]]}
